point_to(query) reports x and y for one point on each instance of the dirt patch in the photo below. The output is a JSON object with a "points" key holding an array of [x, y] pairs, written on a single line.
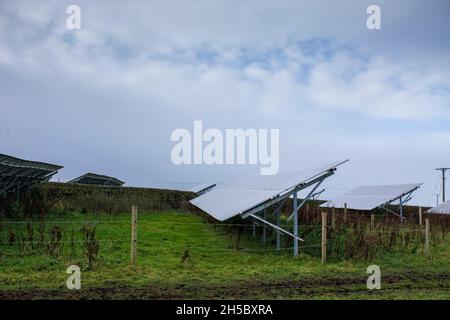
{"points": [[283, 289]]}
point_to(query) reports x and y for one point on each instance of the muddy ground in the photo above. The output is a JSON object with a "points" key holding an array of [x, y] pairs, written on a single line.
{"points": [[438, 285]]}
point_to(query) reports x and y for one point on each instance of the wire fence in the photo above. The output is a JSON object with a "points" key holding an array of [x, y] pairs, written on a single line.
{"points": [[245, 225], [150, 244], [337, 226]]}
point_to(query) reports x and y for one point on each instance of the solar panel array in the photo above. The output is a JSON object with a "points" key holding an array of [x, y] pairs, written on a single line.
{"points": [[443, 208], [230, 199], [97, 179], [15, 172], [371, 197]]}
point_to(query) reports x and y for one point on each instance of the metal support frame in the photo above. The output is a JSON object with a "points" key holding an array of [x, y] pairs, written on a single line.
{"points": [[11, 184], [264, 231], [203, 191], [14, 183], [308, 197], [278, 232], [18, 175], [295, 213], [403, 199], [275, 226], [285, 195], [47, 177], [390, 211], [317, 194], [281, 199]]}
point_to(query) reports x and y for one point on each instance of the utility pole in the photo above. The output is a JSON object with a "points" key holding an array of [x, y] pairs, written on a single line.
{"points": [[443, 170]]}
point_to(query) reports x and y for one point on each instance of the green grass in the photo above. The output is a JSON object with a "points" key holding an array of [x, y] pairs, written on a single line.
{"points": [[214, 270]]}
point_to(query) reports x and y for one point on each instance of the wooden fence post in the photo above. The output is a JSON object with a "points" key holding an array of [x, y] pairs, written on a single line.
{"points": [[372, 222], [420, 216], [333, 218], [324, 237], [134, 213], [427, 236], [345, 212]]}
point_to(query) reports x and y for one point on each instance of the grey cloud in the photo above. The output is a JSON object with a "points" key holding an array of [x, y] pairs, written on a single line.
{"points": [[106, 98]]}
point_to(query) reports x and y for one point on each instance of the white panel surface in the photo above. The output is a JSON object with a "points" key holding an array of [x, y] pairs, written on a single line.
{"points": [[443, 208], [371, 197], [230, 199]]}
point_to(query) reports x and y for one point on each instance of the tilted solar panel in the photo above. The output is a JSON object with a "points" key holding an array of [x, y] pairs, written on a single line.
{"points": [[16, 173], [12, 162], [230, 199], [371, 197], [443, 208], [97, 179]]}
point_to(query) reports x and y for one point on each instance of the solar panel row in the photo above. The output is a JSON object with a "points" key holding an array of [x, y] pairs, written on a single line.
{"points": [[371, 197], [97, 179], [443, 208], [15, 172], [230, 199]]}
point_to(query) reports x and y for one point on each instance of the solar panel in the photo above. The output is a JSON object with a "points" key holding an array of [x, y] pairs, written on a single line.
{"points": [[14, 165], [230, 199], [16, 173], [97, 179], [371, 197], [443, 208]]}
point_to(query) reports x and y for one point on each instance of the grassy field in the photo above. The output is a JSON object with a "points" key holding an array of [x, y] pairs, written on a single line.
{"points": [[213, 268]]}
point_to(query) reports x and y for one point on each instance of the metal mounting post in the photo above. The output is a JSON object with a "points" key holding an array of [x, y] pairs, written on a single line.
{"points": [[295, 213], [278, 232], [264, 233]]}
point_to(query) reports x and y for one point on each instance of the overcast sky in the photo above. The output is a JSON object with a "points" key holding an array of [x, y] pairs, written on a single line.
{"points": [[107, 97]]}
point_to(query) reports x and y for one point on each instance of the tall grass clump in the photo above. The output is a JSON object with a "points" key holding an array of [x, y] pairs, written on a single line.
{"points": [[91, 244]]}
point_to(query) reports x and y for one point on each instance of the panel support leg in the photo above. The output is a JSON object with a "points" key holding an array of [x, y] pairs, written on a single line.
{"points": [[264, 234], [295, 214], [278, 232], [290, 234], [401, 209], [309, 196]]}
